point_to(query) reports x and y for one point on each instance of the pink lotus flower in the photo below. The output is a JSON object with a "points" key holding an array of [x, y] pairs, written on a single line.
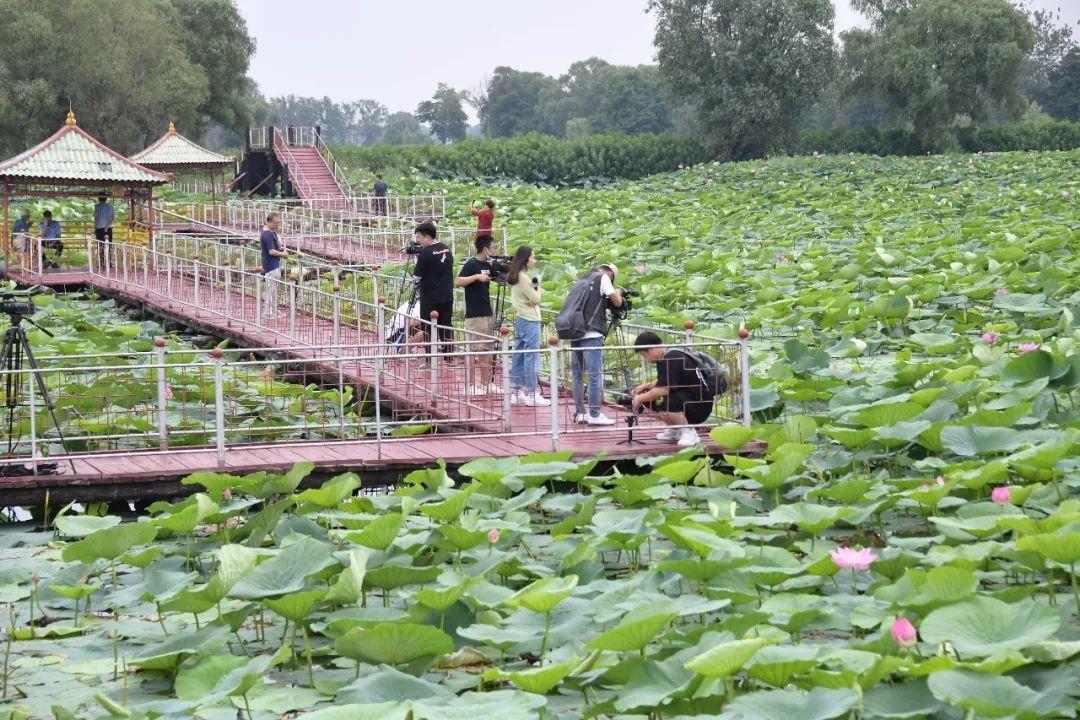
{"points": [[1065, 194], [939, 480], [1001, 292], [681, 166], [1001, 495], [168, 393], [781, 258], [640, 268], [493, 535], [226, 494], [989, 338], [845, 557], [904, 633], [1028, 347]]}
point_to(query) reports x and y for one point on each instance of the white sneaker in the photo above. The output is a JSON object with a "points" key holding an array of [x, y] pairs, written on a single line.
{"points": [[668, 435], [581, 418], [536, 400], [494, 389], [688, 437], [476, 390], [600, 419], [517, 397]]}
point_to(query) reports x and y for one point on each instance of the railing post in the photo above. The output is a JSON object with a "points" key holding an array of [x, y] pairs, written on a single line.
{"points": [[198, 295], [40, 257], [33, 419], [504, 332], [259, 282], [380, 318], [688, 333], [336, 336], [292, 304], [744, 371], [553, 379], [146, 269], [433, 365], [219, 404], [90, 258], [168, 274], [162, 394], [226, 264]]}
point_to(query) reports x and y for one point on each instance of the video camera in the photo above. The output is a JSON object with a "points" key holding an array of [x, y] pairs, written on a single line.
{"points": [[500, 267], [413, 248], [623, 311], [13, 308]]}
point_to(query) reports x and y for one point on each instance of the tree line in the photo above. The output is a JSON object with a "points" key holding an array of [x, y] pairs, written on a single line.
{"points": [[744, 77]]}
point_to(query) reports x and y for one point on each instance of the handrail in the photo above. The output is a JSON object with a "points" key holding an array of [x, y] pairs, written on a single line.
{"points": [[331, 163]]}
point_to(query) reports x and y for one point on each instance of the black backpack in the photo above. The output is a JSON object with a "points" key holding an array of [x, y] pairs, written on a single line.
{"points": [[710, 372], [571, 323]]}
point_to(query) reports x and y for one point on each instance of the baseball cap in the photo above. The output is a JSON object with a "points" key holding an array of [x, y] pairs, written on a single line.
{"points": [[611, 266]]}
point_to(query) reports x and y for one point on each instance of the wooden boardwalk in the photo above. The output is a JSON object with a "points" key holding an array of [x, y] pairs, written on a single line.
{"points": [[469, 427]]}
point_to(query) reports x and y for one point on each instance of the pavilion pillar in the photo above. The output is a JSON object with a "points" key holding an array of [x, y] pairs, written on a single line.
{"points": [[150, 216], [6, 232], [213, 187]]}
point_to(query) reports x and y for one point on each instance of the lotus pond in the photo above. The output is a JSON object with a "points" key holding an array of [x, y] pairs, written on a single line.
{"points": [[906, 548]]}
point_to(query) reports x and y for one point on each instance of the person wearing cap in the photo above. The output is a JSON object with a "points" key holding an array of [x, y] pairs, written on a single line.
{"points": [[50, 232], [20, 231], [586, 352]]}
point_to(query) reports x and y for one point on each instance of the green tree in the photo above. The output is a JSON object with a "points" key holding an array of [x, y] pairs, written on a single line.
{"points": [[403, 128], [367, 121], [514, 101], [633, 101], [444, 115], [216, 39], [940, 59], [1053, 41], [1061, 96], [752, 66]]}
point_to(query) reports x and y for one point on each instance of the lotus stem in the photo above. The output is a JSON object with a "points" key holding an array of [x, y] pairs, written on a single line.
{"points": [[7, 647], [307, 654], [547, 630]]}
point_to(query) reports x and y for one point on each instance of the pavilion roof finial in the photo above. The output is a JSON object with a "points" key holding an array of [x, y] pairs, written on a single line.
{"points": [[70, 116], [172, 128]]}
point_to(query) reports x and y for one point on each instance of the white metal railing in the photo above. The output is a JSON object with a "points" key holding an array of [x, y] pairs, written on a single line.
{"points": [[258, 138], [403, 207], [300, 136], [332, 163]]}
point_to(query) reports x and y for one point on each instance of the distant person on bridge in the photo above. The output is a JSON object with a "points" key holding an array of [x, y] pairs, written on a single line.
{"points": [[434, 272], [484, 218], [525, 295], [381, 189], [475, 277], [271, 262], [50, 232], [104, 215], [21, 230]]}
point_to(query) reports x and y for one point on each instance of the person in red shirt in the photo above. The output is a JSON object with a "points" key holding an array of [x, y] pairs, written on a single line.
{"points": [[484, 218]]}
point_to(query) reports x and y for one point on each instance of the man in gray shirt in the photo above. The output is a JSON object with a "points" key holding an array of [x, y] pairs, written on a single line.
{"points": [[104, 215]]}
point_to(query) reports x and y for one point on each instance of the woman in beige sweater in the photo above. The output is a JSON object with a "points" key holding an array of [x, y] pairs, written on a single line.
{"points": [[525, 297]]}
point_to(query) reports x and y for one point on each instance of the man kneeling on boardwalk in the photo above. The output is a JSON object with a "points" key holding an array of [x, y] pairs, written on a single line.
{"points": [[687, 383]]}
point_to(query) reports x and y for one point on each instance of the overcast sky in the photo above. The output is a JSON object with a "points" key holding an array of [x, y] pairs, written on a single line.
{"points": [[398, 51]]}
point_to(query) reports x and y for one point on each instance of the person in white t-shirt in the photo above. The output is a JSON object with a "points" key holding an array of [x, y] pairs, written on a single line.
{"points": [[587, 355]]}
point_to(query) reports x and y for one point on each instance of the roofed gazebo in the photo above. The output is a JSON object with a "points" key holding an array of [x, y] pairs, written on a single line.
{"points": [[70, 163], [176, 154]]}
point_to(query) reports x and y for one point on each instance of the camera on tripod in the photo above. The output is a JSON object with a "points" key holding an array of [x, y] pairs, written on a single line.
{"points": [[623, 311], [500, 267], [15, 308], [413, 248]]}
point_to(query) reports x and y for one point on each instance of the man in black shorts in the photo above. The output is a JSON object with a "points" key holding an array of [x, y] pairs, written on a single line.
{"points": [[678, 395], [434, 272]]}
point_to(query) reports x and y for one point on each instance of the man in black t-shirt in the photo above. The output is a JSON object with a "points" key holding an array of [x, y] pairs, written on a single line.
{"points": [[475, 277], [678, 395], [434, 272]]}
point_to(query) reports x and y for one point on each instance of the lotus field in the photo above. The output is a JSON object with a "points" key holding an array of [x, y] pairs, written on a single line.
{"points": [[907, 546]]}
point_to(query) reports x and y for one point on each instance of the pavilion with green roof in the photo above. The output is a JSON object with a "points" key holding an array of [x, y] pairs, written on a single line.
{"points": [[176, 154], [71, 163]]}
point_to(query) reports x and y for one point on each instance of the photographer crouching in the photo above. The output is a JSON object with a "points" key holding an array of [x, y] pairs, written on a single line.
{"points": [[583, 321], [687, 383], [434, 273], [476, 277]]}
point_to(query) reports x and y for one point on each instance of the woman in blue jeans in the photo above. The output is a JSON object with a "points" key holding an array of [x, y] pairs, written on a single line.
{"points": [[525, 297]]}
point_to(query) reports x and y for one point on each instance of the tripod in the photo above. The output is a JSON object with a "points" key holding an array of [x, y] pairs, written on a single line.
{"points": [[623, 357], [15, 348]]}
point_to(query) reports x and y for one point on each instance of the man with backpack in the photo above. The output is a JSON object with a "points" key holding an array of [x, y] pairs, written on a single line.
{"points": [[687, 383], [583, 321]]}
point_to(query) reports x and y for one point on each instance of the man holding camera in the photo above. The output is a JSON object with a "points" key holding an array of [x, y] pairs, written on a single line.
{"points": [[583, 320], [683, 392], [475, 277], [434, 273]]}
